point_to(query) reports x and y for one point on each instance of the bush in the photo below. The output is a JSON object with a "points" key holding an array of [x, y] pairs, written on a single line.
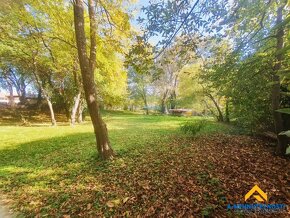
{"points": [[193, 127]]}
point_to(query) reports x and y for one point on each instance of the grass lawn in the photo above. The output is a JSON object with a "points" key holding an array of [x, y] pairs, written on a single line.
{"points": [[55, 171]]}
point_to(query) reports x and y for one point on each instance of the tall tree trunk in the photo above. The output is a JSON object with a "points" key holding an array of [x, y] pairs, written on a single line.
{"points": [[144, 96], [21, 90], [39, 98], [78, 116], [53, 120], [80, 112], [146, 104], [220, 114], [227, 115], [11, 96], [87, 66], [22, 97], [173, 100], [49, 103], [164, 109], [11, 101], [45, 94], [173, 94], [19, 93], [75, 108], [276, 98]]}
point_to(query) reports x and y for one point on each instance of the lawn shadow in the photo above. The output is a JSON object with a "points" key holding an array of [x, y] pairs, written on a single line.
{"points": [[50, 172]]}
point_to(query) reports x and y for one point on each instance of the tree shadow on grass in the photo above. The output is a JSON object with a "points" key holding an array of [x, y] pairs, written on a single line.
{"points": [[43, 175], [54, 174], [63, 175]]}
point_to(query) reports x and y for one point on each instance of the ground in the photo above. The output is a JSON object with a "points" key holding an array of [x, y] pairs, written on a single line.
{"points": [[158, 171]]}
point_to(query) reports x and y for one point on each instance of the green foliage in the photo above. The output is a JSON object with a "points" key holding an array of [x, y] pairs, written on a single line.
{"points": [[164, 18], [284, 110], [38, 38], [190, 91], [140, 56], [243, 82], [193, 127], [207, 211]]}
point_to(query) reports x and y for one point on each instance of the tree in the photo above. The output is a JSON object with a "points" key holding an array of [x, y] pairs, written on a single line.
{"points": [[259, 32], [276, 96], [88, 65], [190, 91], [23, 47], [139, 85], [170, 64], [141, 70], [169, 19], [17, 79]]}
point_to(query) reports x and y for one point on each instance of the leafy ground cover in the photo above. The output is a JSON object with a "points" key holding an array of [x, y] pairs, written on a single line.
{"points": [[46, 171]]}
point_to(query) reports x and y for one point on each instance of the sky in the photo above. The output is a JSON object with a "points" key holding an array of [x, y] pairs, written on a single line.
{"points": [[138, 5]]}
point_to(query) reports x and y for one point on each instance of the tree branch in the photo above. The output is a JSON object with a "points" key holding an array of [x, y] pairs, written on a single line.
{"points": [[178, 29]]}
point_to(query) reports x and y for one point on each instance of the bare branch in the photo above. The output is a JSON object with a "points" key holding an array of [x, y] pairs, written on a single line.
{"points": [[63, 40]]}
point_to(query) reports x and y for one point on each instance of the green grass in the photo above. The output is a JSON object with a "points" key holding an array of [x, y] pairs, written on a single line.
{"points": [[42, 167]]}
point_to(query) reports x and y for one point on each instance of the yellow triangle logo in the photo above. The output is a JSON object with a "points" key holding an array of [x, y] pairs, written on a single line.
{"points": [[262, 196]]}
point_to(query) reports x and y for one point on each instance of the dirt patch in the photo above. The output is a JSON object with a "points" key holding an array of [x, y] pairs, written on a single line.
{"points": [[5, 212]]}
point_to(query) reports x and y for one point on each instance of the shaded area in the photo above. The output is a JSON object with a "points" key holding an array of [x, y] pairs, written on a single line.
{"points": [[26, 117]]}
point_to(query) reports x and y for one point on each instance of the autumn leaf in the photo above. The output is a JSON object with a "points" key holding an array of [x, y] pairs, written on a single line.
{"points": [[113, 203]]}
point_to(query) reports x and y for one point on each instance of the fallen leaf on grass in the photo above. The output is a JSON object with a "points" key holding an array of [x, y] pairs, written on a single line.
{"points": [[125, 200], [113, 203], [89, 206]]}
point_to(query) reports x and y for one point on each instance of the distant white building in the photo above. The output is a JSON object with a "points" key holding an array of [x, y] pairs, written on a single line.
{"points": [[4, 98]]}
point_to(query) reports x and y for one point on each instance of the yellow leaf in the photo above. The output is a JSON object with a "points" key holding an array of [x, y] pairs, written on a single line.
{"points": [[89, 206], [125, 200], [113, 203]]}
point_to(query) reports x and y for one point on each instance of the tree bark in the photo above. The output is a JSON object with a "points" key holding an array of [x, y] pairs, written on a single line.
{"points": [[53, 120], [22, 97], [44, 93], [80, 111], [145, 101], [227, 115], [164, 109], [276, 98], [39, 98], [22, 91], [49, 103], [173, 94], [18, 82], [173, 100], [11, 96], [87, 66], [75, 108], [220, 114]]}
